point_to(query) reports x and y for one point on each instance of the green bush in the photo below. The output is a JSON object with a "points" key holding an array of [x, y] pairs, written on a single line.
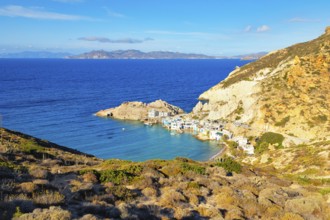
{"points": [[260, 148], [232, 144], [13, 167], [320, 119], [30, 146], [283, 122], [229, 164], [115, 176], [269, 138], [185, 167]]}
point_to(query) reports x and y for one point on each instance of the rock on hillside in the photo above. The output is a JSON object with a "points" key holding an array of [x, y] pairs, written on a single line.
{"points": [[286, 91], [138, 110]]}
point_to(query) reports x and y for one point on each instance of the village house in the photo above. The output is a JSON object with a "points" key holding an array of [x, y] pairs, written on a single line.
{"points": [[153, 113], [215, 135]]}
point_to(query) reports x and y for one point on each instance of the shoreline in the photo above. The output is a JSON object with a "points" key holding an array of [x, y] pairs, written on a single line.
{"points": [[220, 153]]}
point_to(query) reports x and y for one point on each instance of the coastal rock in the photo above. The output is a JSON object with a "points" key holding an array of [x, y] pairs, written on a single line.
{"points": [[139, 110]]}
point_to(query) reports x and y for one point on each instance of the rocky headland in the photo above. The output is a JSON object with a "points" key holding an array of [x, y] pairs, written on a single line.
{"points": [[138, 110]]}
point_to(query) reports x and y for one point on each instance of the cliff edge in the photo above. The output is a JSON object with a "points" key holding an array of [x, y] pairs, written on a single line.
{"points": [[286, 91]]}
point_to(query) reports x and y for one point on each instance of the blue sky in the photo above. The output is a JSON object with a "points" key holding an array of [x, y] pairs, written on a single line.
{"points": [[213, 27]]}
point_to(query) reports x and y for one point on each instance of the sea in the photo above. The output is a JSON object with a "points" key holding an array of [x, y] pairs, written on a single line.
{"points": [[55, 100]]}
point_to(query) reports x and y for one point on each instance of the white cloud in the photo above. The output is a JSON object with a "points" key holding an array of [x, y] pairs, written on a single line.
{"points": [[37, 13], [263, 28], [248, 28], [303, 20], [113, 13], [122, 41]]}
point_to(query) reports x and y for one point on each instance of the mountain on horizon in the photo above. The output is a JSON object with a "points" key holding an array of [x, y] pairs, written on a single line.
{"points": [[137, 54]]}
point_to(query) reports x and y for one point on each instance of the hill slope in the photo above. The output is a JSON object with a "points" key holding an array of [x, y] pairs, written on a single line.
{"points": [[286, 91], [41, 180]]}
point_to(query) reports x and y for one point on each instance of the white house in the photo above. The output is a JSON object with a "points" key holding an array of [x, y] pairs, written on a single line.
{"points": [[241, 141], [227, 133], [164, 114], [153, 113], [249, 149], [215, 135]]}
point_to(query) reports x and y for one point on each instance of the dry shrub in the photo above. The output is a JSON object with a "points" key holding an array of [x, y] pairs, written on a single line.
{"points": [[50, 163], [234, 213], [205, 191], [48, 198], [143, 182], [305, 206], [215, 187], [209, 211], [170, 197], [16, 197], [273, 211], [39, 173], [180, 213], [216, 171], [226, 197], [193, 198], [249, 187], [108, 184], [291, 216], [28, 187], [171, 170], [150, 192], [40, 182], [53, 213], [89, 217], [251, 208], [90, 178]]}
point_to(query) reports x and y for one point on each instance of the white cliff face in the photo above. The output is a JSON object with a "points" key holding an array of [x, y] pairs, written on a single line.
{"points": [[223, 102]]}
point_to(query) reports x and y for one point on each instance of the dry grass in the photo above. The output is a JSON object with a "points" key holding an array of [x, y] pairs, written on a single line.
{"points": [[170, 197], [48, 198], [150, 192], [28, 187]]}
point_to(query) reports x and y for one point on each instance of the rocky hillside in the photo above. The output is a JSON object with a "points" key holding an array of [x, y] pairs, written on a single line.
{"points": [[286, 91], [138, 110], [41, 180]]}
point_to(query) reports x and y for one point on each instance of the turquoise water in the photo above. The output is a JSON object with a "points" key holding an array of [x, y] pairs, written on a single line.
{"points": [[56, 99]]}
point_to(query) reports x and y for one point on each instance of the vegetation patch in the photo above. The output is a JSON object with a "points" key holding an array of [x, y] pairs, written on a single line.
{"points": [[115, 176], [12, 166], [269, 138], [185, 167], [283, 122], [229, 164], [320, 119]]}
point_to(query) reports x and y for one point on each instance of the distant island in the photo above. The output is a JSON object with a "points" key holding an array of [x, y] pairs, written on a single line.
{"points": [[136, 54], [123, 54]]}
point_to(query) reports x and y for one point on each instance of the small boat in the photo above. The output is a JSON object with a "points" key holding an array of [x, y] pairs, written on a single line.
{"points": [[148, 123], [123, 129]]}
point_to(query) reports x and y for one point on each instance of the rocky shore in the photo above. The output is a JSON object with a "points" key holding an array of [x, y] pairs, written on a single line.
{"points": [[138, 111]]}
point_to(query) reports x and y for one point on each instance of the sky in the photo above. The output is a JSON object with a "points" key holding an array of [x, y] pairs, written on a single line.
{"points": [[212, 27]]}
